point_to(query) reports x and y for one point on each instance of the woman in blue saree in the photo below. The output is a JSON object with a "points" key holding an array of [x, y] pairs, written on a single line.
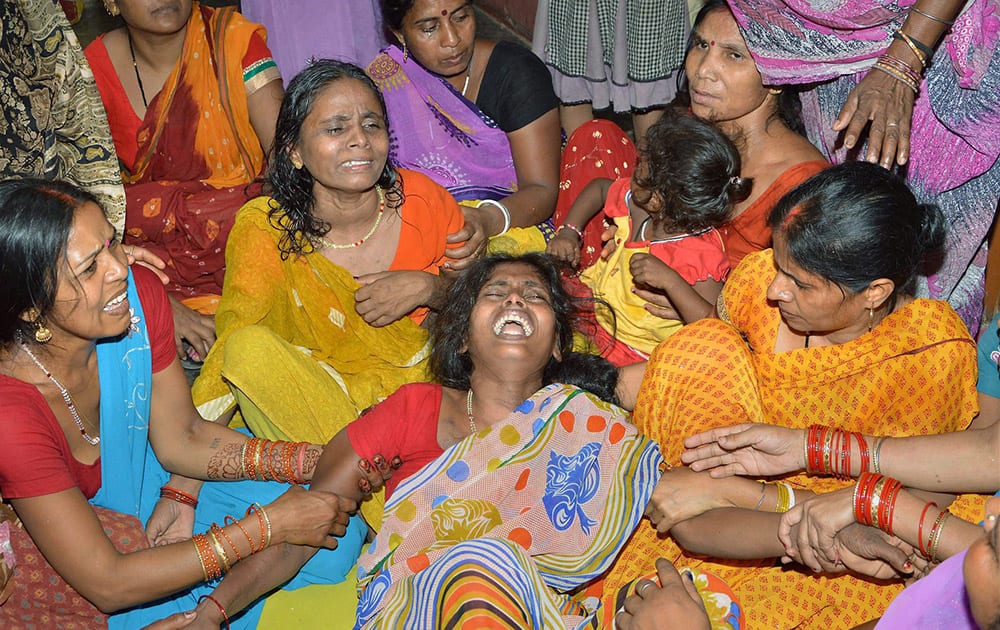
{"points": [[95, 411]]}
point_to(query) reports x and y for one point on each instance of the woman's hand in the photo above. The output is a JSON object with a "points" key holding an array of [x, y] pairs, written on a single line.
{"points": [[681, 494], [187, 619], [170, 522], [657, 303], [675, 599], [376, 472], [314, 518], [473, 236], [752, 450], [146, 258], [197, 329], [388, 296], [565, 245], [885, 103], [818, 519]]}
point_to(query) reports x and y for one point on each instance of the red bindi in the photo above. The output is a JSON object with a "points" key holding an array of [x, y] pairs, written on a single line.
{"points": [[711, 43], [444, 12]]}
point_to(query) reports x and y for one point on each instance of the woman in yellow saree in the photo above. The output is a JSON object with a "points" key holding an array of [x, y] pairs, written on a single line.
{"points": [[821, 329]]}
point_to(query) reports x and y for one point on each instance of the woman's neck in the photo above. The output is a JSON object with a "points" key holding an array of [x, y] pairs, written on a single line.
{"points": [[495, 398], [157, 53], [71, 363], [344, 211]]}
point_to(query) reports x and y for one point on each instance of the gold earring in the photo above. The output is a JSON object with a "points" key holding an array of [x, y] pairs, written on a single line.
{"points": [[42, 333], [406, 52], [112, 8], [871, 318], [296, 162], [774, 91]]}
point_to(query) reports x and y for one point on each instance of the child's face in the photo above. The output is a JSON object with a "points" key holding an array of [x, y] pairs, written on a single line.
{"points": [[642, 196]]}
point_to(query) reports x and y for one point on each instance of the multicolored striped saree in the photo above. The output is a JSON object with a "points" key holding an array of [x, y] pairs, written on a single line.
{"points": [[502, 526]]}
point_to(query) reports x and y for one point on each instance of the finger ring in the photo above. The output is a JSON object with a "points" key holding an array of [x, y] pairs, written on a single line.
{"points": [[642, 587], [891, 124]]}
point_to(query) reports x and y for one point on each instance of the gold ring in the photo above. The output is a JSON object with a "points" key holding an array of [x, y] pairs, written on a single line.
{"points": [[892, 124]]}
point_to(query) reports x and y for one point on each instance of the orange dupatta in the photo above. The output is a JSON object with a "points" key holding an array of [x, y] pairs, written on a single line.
{"points": [[198, 152]]}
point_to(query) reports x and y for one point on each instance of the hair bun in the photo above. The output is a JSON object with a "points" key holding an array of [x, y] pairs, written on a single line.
{"points": [[739, 188], [933, 228]]}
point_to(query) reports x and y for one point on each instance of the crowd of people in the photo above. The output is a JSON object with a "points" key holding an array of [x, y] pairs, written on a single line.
{"points": [[346, 337]]}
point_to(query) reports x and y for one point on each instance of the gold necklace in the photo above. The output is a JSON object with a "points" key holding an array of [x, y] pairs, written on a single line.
{"points": [[358, 243], [468, 409]]}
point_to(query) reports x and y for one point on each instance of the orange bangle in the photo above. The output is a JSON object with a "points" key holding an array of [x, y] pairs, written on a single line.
{"points": [[225, 617]]}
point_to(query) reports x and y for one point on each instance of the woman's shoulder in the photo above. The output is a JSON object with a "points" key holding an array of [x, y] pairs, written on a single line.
{"points": [[257, 212], [934, 320], [430, 193]]}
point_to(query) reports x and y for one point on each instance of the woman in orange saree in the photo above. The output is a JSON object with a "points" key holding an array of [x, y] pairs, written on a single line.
{"points": [[821, 329], [191, 151]]}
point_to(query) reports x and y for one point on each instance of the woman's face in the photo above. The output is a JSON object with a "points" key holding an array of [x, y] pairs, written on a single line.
{"points": [[809, 303], [343, 141], [161, 17], [440, 35], [91, 301], [982, 570], [513, 318], [724, 82]]}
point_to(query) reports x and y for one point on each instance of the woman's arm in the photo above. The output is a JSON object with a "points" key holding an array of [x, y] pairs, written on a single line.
{"points": [[67, 531], [340, 471], [264, 105], [963, 461], [536, 148]]}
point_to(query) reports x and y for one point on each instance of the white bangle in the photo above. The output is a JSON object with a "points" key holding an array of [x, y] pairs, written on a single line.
{"points": [[503, 210], [791, 496]]}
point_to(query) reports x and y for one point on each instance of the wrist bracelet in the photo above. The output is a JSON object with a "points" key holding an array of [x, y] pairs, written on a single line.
{"points": [[225, 617], [920, 50], [573, 227], [932, 17], [503, 210], [760, 501], [173, 494]]}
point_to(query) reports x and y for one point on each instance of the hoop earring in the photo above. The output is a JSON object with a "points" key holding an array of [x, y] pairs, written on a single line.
{"points": [[871, 318], [112, 8]]}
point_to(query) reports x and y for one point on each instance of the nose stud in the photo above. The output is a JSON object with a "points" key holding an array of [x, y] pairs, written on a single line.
{"points": [[784, 295]]}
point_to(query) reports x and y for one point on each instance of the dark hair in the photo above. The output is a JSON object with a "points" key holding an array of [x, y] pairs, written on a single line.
{"points": [[290, 188], [693, 170], [450, 331], [36, 217], [855, 223], [789, 106], [394, 11]]}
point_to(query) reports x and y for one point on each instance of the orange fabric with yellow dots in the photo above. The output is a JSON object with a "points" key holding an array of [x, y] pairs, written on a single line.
{"points": [[915, 373]]}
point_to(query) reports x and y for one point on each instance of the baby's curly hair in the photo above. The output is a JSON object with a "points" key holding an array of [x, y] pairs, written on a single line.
{"points": [[691, 174]]}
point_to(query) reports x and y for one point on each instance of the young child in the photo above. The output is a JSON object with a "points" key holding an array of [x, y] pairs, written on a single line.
{"points": [[685, 185]]}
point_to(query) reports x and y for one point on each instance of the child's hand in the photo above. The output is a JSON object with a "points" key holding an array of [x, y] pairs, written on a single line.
{"points": [[651, 272], [565, 245]]}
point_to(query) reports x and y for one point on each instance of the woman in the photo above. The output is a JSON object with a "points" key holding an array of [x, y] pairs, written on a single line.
{"points": [[208, 72], [824, 329], [929, 103], [480, 118], [330, 277], [89, 385], [723, 86], [543, 481]]}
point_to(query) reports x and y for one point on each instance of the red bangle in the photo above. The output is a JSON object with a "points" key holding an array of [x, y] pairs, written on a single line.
{"points": [[225, 617], [864, 454], [173, 494], [920, 529]]}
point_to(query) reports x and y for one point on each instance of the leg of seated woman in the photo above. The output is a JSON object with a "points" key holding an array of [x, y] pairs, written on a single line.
{"points": [[283, 393], [481, 583]]}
